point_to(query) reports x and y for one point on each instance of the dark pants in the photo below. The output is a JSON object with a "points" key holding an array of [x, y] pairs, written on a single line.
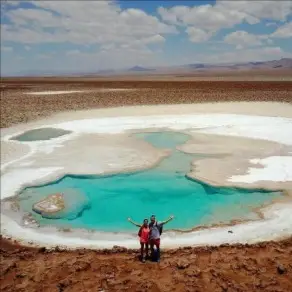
{"points": [[144, 246], [155, 255]]}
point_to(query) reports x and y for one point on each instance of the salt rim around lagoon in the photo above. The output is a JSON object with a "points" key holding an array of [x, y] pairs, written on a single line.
{"points": [[264, 161]]}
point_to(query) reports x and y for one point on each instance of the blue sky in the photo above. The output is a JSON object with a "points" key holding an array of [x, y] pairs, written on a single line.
{"points": [[88, 36]]}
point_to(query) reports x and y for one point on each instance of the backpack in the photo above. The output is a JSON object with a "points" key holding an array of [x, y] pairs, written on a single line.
{"points": [[160, 228]]}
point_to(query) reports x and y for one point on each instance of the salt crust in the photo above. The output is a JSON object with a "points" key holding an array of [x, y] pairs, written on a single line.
{"points": [[278, 217]]}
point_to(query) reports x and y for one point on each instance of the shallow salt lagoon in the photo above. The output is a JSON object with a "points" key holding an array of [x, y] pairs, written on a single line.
{"points": [[41, 134], [162, 190]]}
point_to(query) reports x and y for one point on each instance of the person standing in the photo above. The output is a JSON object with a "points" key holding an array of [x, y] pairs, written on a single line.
{"points": [[154, 236], [143, 237]]}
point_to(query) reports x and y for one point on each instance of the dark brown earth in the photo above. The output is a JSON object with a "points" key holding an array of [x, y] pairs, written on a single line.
{"points": [[259, 267], [17, 107]]}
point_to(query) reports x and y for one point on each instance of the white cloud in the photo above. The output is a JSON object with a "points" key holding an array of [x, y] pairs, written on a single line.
{"points": [[6, 49], [108, 47], [269, 41], [11, 2], [273, 10], [80, 22], [207, 17], [197, 35], [225, 14], [284, 31], [173, 15], [154, 39], [243, 39], [19, 58], [34, 17], [73, 53], [43, 56]]}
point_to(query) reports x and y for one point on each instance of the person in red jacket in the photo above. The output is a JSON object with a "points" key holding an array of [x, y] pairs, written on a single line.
{"points": [[143, 237]]}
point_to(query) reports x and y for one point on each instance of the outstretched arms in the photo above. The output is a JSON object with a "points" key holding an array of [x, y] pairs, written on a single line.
{"points": [[134, 223], [167, 220]]}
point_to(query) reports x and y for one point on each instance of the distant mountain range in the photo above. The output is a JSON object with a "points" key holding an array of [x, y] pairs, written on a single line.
{"points": [[197, 66], [140, 69], [284, 63]]}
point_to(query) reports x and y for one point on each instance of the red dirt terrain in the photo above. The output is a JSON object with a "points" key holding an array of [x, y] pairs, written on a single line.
{"points": [[259, 267]]}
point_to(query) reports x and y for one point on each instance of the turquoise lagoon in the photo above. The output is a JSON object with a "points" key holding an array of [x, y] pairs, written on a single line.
{"points": [[40, 134], [162, 190]]}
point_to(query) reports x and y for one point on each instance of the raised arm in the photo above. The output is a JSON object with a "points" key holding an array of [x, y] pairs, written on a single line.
{"points": [[167, 220], [134, 223]]}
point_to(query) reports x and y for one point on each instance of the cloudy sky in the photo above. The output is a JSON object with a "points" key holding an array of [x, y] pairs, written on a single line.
{"points": [[77, 36]]}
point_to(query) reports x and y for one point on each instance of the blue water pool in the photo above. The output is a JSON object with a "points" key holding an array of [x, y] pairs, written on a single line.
{"points": [[162, 190], [40, 134]]}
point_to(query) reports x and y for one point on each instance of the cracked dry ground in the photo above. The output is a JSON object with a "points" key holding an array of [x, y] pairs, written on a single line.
{"points": [[258, 267]]}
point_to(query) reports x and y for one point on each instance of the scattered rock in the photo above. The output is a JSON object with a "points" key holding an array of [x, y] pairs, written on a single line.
{"points": [[29, 221], [79, 266], [81, 252], [42, 249], [21, 286], [193, 273], [182, 264], [193, 257], [58, 249], [213, 273], [224, 286], [7, 266], [137, 273], [118, 249], [20, 275], [281, 269], [262, 270], [64, 284], [53, 203]]}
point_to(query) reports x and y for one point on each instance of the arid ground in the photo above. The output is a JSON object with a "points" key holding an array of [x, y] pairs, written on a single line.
{"points": [[17, 106], [259, 267]]}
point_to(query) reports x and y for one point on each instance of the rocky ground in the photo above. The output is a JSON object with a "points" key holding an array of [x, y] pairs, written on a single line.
{"points": [[17, 106], [259, 267]]}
